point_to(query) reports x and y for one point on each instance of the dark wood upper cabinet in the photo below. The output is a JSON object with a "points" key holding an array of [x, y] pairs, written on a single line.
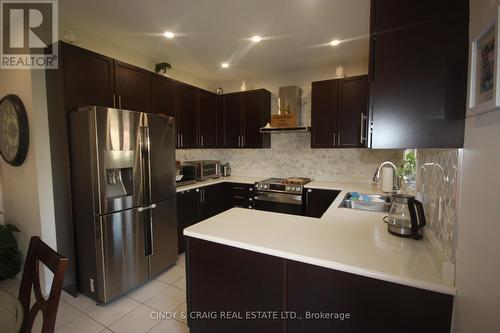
{"points": [[220, 120], [208, 121], [131, 87], [353, 112], [233, 117], [187, 128], [257, 113], [418, 74], [161, 95], [391, 14], [338, 113], [244, 114], [88, 77], [324, 114]]}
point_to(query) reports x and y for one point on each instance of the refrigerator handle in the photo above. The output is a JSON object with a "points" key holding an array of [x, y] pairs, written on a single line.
{"points": [[151, 238], [141, 209]]}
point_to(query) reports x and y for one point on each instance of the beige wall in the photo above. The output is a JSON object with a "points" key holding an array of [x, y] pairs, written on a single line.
{"points": [[478, 268], [19, 184], [26, 191]]}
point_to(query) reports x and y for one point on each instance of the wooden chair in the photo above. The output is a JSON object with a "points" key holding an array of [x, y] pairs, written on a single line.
{"points": [[39, 251]]}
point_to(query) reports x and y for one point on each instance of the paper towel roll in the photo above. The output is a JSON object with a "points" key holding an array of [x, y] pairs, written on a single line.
{"points": [[387, 179]]}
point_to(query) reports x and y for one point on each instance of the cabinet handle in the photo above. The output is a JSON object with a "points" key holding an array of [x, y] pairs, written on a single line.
{"points": [[238, 197], [242, 141], [238, 188], [338, 139], [239, 140], [182, 141], [362, 138], [202, 140], [114, 101], [335, 139], [119, 101]]}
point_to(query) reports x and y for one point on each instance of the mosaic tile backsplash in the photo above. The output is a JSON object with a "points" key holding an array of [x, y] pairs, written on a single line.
{"points": [[437, 180], [291, 155]]}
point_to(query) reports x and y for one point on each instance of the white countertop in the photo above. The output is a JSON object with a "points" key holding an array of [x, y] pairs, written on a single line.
{"points": [[233, 179], [344, 239]]}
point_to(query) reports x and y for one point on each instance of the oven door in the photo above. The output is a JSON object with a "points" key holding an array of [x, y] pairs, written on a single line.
{"points": [[279, 202]]}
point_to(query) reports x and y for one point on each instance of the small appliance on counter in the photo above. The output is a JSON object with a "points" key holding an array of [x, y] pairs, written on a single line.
{"points": [[226, 170], [206, 169], [185, 174], [406, 217]]}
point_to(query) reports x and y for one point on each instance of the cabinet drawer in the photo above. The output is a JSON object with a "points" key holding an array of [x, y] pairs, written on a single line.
{"points": [[239, 195]]}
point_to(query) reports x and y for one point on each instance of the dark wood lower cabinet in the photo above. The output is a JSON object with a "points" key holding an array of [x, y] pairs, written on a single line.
{"points": [[187, 214], [223, 280], [226, 281], [372, 305], [197, 205], [317, 201]]}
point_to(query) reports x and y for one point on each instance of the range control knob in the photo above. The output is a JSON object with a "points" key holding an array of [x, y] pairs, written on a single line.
{"points": [[297, 188], [288, 188]]}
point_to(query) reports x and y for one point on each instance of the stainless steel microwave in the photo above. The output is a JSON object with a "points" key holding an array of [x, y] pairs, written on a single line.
{"points": [[207, 169]]}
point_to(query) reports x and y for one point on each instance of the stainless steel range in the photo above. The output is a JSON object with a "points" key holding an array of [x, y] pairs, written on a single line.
{"points": [[281, 195]]}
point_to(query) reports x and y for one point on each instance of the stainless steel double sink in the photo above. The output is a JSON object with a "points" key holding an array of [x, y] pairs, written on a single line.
{"points": [[368, 202]]}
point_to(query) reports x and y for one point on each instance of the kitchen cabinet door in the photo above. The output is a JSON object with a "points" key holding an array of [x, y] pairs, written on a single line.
{"points": [[257, 113], [222, 278], [389, 14], [131, 87], [186, 115], [220, 121], [187, 213], [317, 201], [324, 114], [373, 305], [88, 77], [212, 200], [161, 95], [353, 112], [419, 81], [233, 110], [207, 112]]}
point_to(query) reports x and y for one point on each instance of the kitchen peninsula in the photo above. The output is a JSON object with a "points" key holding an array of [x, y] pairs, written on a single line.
{"points": [[344, 261]]}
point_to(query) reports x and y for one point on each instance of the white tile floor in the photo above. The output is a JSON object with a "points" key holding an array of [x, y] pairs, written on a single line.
{"points": [[130, 313]]}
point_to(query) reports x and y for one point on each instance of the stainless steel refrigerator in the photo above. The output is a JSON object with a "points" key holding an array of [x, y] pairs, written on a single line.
{"points": [[123, 194]]}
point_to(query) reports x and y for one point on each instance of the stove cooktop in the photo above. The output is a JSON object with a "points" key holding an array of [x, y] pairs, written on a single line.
{"points": [[293, 185]]}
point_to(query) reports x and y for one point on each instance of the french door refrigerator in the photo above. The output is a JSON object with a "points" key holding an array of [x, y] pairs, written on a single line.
{"points": [[123, 194]]}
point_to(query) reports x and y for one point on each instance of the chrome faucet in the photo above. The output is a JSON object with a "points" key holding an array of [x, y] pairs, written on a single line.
{"points": [[395, 181]]}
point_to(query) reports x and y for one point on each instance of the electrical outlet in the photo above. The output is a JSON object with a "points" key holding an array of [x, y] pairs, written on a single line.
{"points": [[92, 285]]}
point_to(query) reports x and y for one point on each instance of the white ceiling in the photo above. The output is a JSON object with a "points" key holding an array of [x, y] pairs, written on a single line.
{"points": [[208, 32]]}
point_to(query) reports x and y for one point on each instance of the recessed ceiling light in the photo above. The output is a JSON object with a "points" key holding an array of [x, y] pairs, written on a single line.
{"points": [[224, 65], [256, 39], [168, 34], [335, 42]]}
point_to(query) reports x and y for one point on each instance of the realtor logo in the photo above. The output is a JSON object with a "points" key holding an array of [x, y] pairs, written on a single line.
{"points": [[29, 29]]}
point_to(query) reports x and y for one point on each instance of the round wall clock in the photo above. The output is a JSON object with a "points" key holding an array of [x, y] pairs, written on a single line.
{"points": [[14, 130]]}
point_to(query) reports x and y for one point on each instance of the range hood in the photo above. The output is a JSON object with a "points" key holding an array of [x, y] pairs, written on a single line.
{"points": [[289, 102]]}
